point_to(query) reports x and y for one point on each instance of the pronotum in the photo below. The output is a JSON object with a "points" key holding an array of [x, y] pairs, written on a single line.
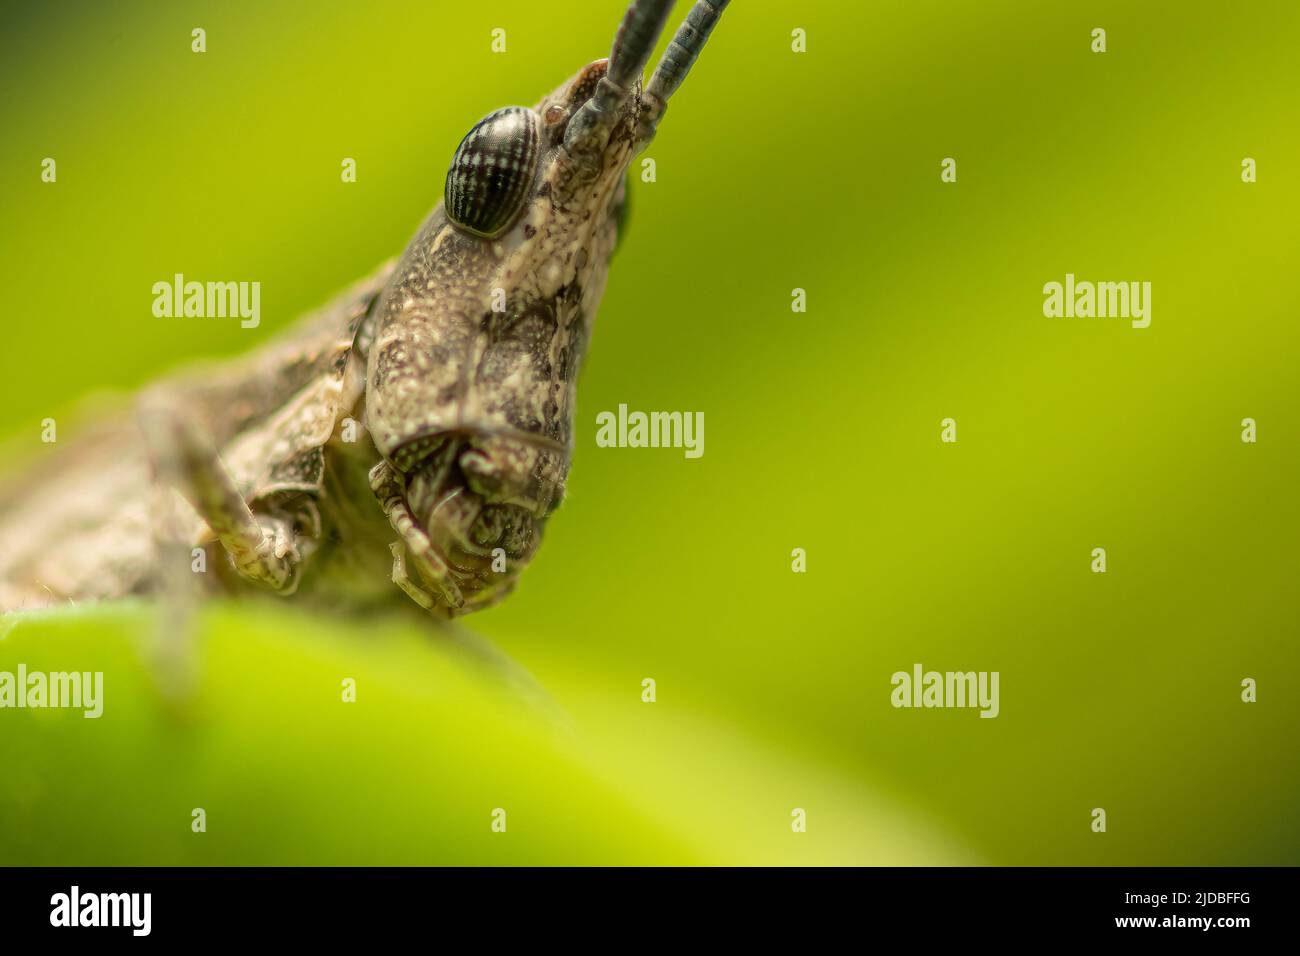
{"points": [[418, 428]]}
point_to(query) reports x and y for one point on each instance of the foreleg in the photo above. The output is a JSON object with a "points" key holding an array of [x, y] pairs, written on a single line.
{"points": [[267, 548]]}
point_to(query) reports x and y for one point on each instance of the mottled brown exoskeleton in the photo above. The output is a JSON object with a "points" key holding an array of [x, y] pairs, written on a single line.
{"points": [[461, 359]]}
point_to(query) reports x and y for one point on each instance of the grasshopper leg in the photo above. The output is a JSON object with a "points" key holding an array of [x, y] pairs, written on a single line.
{"points": [[432, 568], [263, 548], [402, 579]]}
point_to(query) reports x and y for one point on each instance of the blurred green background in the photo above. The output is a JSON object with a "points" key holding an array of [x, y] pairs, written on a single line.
{"points": [[776, 170]]}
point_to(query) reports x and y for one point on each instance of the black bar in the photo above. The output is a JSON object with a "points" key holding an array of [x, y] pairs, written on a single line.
{"points": [[332, 905]]}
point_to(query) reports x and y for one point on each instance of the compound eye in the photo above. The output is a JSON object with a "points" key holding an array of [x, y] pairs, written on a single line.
{"points": [[491, 173]]}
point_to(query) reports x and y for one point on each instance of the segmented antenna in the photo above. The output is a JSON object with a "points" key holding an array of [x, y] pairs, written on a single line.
{"points": [[676, 63], [636, 39], [633, 43]]}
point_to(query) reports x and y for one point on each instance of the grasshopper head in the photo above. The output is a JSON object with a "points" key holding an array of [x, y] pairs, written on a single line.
{"points": [[479, 335], [575, 145]]}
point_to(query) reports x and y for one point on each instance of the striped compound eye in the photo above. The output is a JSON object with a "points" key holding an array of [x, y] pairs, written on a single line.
{"points": [[492, 171]]}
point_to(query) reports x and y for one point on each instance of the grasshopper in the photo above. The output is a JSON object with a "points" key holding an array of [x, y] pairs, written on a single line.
{"points": [[460, 359]]}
